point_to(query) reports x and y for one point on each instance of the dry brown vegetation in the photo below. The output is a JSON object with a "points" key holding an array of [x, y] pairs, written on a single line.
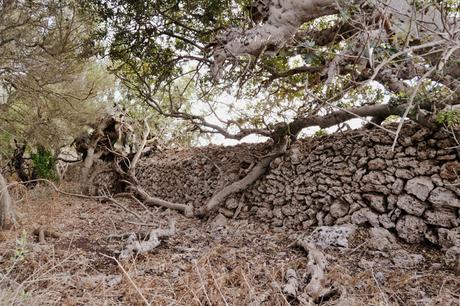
{"points": [[241, 263]]}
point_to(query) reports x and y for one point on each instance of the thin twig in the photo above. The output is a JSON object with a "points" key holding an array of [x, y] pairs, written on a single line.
{"points": [[137, 156], [409, 106]]}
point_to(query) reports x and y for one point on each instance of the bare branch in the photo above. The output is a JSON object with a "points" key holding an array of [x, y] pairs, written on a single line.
{"points": [[250, 178], [152, 201], [146, 133]]}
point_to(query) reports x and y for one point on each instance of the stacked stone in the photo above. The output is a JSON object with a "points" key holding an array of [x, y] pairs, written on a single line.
{"points": [[349, 177], [191, 176]]}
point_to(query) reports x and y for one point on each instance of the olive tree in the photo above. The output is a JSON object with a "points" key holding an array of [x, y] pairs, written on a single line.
{"points": [[286, 64], [52, 87]]}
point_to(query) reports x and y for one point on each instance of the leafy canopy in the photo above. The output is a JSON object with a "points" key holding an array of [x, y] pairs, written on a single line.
{"points": [[278, 61]]}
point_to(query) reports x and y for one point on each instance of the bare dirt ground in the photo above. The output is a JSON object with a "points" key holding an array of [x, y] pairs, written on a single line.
{"points": [[241, 263]]}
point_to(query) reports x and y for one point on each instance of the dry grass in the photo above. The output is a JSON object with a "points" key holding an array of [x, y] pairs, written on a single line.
{"points": [[241, 264]]}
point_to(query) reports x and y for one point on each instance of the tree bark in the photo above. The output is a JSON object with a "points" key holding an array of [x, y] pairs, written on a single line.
{"points": [[283, 21], [7, 215], [220, 196], [152, 201], [91, 154]]}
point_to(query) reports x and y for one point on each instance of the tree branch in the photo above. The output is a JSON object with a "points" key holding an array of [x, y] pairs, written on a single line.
{"points": [[283, 21], [218, 198]]}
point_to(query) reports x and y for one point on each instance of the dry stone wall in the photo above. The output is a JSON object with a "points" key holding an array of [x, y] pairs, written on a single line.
{"points": [[349, 177]]}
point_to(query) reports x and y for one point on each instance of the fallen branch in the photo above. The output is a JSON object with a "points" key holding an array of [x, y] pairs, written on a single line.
{"points": [[256, 172], [136, 246], [140, 195], [292, 283], [316, 266], [153, 201]]}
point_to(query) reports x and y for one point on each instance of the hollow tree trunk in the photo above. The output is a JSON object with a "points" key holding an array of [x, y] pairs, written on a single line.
{"points": [[92, 154], [7, 215]]}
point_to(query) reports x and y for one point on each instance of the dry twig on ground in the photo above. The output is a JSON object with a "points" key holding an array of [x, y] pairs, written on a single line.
{"points": [[134, 245]]}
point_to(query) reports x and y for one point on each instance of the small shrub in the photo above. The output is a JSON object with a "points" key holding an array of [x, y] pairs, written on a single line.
{"points": [[449, 118], [320, 133], [21, 247], [44, 164]]}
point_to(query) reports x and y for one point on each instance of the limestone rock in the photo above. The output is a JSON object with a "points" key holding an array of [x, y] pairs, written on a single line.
{"points": [[452, 258], [404, 174], [446, 157], [397, 186], [375, 188], [410, 228], [295, 156], [336, 236], [343, 220], [376, 201], [328, 220], [449, 237], [231, 203], [406, 162], [421, 134], [219, 221], [386, 222], [431, 236], [450, 171], [264, 212], [277, 213], [444, 218], [405, 141], [365, 215], [381, 239], [289, 210], [391, 201], [374, 178], [437, 180], [320, 217], [403, 259], [339, 209], [442, 197], [376, 164], [427, 167], [420, 187], [395, 214], [359, 174], [229, 213], [411, 205], [301, 169], [410, 151]]}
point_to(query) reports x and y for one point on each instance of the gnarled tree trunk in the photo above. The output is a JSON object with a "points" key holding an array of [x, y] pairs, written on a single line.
{"points": [[7, 215]]}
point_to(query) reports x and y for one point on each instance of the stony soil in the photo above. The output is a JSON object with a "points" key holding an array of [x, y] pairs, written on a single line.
{"points": [[205, 263]]}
